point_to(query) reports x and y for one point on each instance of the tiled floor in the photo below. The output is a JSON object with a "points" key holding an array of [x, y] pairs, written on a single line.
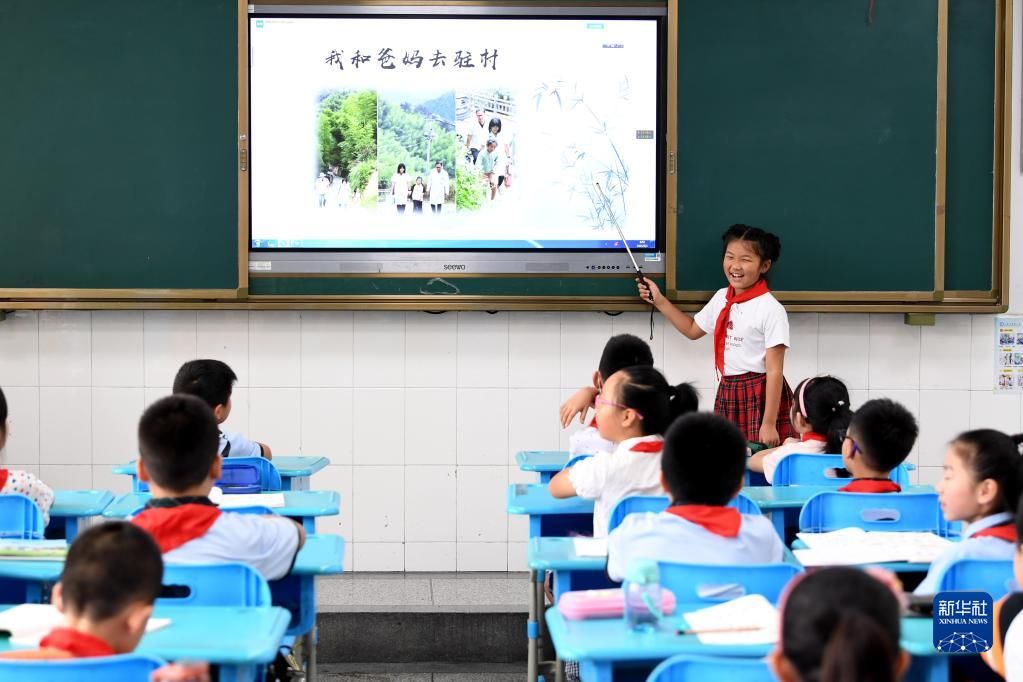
{"points": [[395, 592]]}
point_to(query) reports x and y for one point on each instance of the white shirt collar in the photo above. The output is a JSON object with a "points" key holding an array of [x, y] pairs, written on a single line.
{"points": [[986, 522]]}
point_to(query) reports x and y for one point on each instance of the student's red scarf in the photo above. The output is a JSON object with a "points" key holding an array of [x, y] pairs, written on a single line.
{"points": [[723, 521], [1003, 531], [810, 435], [721, 326], [78, 644], [173, 526], [871, 485], [648, 446]]}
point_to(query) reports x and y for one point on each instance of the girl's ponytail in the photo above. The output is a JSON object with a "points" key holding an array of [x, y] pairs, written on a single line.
{"points": [[859, 651], [682, 399], [824, 403]]}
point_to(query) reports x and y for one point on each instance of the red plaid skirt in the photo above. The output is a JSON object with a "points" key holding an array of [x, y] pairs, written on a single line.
{"points": [[740, 399]]}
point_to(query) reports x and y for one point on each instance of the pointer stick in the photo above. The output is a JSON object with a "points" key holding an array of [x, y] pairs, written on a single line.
{"points": [[639, 270]]}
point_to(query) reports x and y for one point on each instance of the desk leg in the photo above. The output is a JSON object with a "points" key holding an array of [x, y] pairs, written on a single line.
{"points": [[595, 671], [559, 669], [310, 644], [299, 483], [237, 673], [533, 629], [778, 520], [70, 528]]}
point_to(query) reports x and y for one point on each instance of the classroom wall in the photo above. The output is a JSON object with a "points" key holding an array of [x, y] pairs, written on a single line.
{"points": [[421, 414]]}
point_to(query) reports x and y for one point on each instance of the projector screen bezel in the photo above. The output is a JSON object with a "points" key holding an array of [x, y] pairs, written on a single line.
{"points": [[480, 260]]}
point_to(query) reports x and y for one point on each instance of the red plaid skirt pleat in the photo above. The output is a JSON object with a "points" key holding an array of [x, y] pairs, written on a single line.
{"points": [[740, 399]]}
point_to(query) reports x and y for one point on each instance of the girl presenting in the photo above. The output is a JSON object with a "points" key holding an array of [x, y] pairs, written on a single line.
{"points": [[751, 333]]}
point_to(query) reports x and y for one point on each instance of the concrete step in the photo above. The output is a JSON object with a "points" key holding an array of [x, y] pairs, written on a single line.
{"points": [[422, 672]]}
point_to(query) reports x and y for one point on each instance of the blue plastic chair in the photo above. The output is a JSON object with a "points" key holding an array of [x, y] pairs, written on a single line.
{"points": [[638, 504], [809, 469], [714, 583], [20, 518], [243, 475], [830, 511], [213, 585], [124, 668], [688, 668], [993, 576]]}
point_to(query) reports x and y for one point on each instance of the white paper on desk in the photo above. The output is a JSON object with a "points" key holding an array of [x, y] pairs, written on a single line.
{"points": [[854, 546], [271, 500], [589, 546], [29, 623], [750, 611]]}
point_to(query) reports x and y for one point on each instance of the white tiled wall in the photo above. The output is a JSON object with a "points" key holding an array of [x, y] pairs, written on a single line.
{"points": [[421, 414]]}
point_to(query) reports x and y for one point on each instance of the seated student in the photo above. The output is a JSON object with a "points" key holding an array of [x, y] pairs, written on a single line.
{"points": [[1005, 656], [213, 381], [634, 408], [839, 624], [981, 486], [178, 458], [18, 482], [111, 578], [820, 415], [880, 436], [621, 351], [702, 469]]}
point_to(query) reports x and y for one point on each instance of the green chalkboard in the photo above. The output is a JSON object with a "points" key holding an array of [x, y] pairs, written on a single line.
{"points": [[803, 118], [118, 133]]}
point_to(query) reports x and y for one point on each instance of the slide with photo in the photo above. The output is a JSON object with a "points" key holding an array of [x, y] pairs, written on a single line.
{"points": [[454, 133]]}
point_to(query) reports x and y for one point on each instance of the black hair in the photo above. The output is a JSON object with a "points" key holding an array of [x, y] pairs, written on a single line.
{"points": [[884, 432], [3, 416], [109, 567], [495, 121], [401, 167], [767, 245], [178, 441], [704, 459], [621, 351], [992, 454], [828, 409], [211, 380], [646, 391], [841, 625]]}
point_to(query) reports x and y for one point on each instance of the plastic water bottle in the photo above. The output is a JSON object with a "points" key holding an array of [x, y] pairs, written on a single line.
{"points": [[642, 591]]}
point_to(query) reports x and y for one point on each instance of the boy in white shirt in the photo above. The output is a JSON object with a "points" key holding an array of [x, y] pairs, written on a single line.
{"points": [[178, 459], [621, 351], [702, 469], [213, 382], [634, 408]]}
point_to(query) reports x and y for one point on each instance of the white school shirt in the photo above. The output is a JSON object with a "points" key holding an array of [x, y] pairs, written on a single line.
{"points": [[588, 441], [753, 327], [793, 446], [240, 445], [668, 537], [28, 484], [607, 477], [268, 544], [437, 185], [970, 548], [399, 184], [1012, 650], [417, 192]]}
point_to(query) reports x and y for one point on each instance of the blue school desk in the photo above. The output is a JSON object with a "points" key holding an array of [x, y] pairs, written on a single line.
{"points": [[774, 500], [548, 515], [295, 471], [305, 505], [238, 639], [605, 646], [544, 462], [71, 506]]}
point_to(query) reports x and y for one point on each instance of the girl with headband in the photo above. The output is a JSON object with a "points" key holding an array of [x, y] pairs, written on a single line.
{"points": [[820, 415]]}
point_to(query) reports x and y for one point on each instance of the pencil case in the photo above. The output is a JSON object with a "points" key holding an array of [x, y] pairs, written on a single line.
{"points": [[607, 603]]}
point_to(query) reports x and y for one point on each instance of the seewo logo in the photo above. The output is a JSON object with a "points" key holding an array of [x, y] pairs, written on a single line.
{"points": [[448, 267]]}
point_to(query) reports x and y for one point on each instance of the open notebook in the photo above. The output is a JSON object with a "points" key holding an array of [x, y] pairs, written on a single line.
{"points": [[269, 500], [855, 546], [30, 550], [747, 620], [28, 623]]}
